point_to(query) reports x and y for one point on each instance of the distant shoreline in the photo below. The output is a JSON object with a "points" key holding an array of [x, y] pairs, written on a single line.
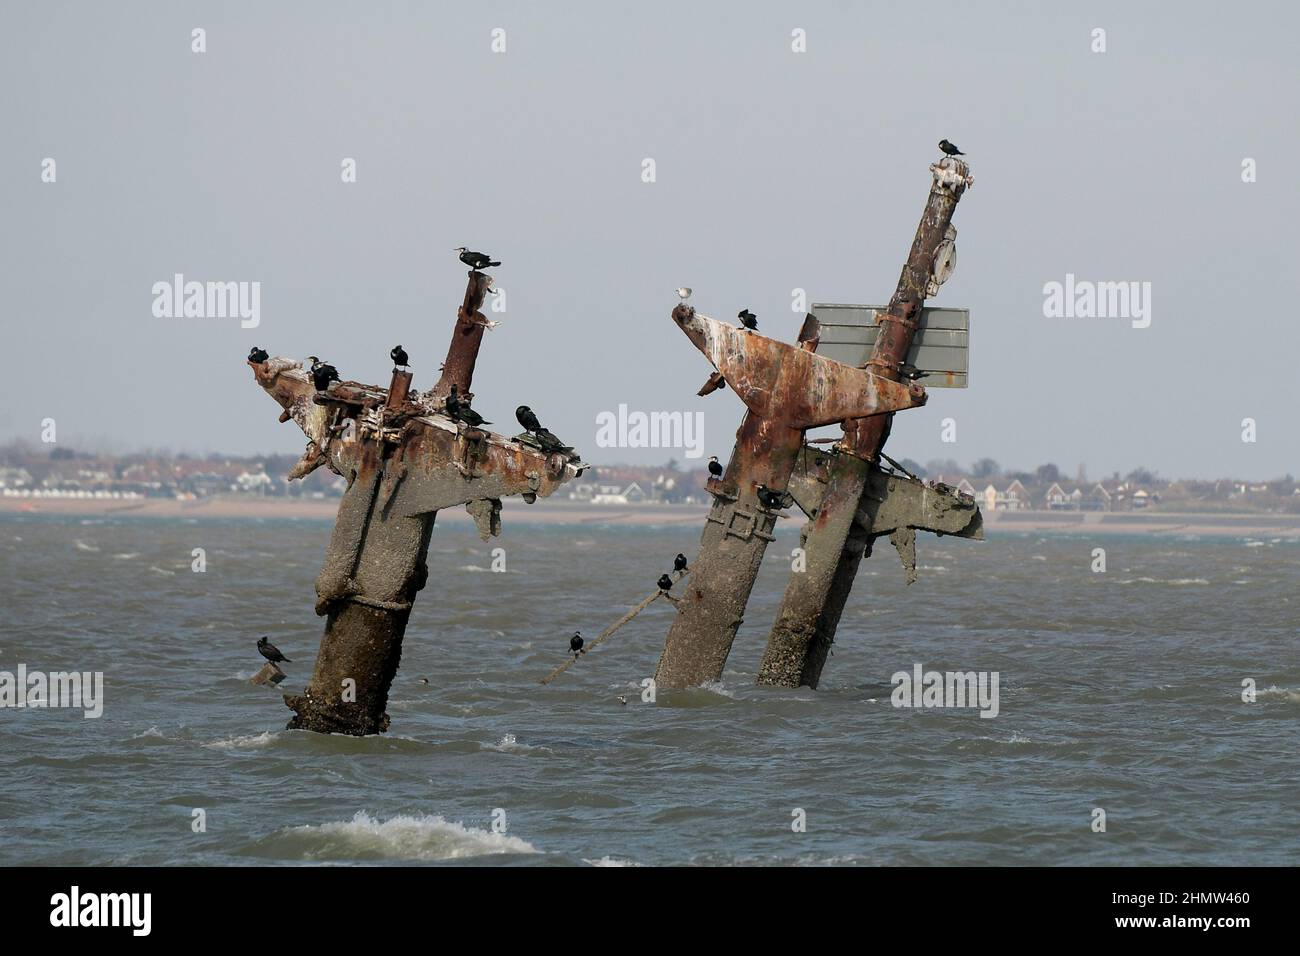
{"points": [[563, 512]]}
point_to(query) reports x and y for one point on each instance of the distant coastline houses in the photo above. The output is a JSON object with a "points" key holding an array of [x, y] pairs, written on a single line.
{"points": [[1015, 497], [1057, 495], [28, 470]]}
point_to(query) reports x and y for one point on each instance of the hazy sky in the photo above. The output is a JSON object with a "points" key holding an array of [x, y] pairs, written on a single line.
{"points": [[775, 170]]}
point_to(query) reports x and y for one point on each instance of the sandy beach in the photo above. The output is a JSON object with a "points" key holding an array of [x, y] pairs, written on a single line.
{"points": [[584, 513]]}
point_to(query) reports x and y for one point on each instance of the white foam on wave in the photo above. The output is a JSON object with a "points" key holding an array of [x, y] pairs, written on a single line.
{"points": [[242, 742], [401, 837], [155, 568], [83, 546], [716, 687], [127, 555], [509, 744], [472, 567], [1281, 693], [608, 860]]}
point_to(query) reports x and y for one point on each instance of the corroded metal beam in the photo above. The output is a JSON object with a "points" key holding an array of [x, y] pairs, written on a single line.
{"points": [[786, 390], [404, 460], [837, 537]]}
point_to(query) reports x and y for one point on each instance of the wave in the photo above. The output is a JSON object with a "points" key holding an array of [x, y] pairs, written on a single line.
{"points": [[608, 860], [83, 546], [1281, 693], [397, 838], [1175, 581], [510, 745], [243, 741]]}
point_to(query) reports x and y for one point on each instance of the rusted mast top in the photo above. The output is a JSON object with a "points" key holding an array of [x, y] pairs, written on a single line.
{"points": [[865, 437]]}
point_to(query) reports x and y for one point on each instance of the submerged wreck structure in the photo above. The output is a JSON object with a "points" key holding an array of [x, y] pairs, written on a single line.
{"points": [[405, 456], [850, 494]]}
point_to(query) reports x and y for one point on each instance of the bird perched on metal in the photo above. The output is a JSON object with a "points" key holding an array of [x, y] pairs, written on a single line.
{"points": [[683, 293], [575, 644], [475, 260], [772, 500], [322, 373], [715, 468], [748, 319], [949, 148], [399, 356], [665, 583], [679, 562], [910, 372], [257, 355], [459, 410], [271, 652], [527, 419], [550, 443]]}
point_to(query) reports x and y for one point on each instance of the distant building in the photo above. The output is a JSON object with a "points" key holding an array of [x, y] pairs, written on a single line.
{"points": [[1097, 499], [1057, 498]]}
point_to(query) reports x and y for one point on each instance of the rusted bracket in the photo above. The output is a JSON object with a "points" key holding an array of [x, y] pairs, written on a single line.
{"points": [[889, 501], [789, 384]]}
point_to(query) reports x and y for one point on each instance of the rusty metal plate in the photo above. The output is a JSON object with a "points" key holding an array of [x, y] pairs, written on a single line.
{"points": [[940, 348]]}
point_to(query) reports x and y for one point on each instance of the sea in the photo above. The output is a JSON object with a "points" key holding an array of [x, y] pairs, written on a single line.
{"points": [[1148, 713]]}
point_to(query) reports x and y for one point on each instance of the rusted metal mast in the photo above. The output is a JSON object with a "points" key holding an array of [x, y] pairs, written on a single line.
{"points": [[786, 389], [849, 499], [404, 460]]}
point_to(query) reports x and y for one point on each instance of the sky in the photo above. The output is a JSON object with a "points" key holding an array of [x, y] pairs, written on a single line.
{"points": [[774, 170]]}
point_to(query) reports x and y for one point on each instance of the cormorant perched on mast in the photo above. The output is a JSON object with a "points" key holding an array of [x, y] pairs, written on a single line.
{"points": [[526, 417], [399, 356], [748, 319], [575, 644], [460, 411], [527, 420], [949, 148], [271, 652], [322, 373], [257, 355], [475, 260], [715, 468]]}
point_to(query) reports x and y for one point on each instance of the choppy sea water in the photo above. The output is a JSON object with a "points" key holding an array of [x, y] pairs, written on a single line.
{"points": [[1118, 690]]}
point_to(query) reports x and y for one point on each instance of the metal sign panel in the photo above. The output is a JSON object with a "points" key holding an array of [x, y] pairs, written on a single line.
{"points": [[940, 348]]}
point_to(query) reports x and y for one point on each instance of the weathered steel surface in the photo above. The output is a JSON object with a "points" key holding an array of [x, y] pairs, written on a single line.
{"points": [[786, 390], [792, 385], [836, 537], [466, 338], [404, 460], [888, 500]]}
